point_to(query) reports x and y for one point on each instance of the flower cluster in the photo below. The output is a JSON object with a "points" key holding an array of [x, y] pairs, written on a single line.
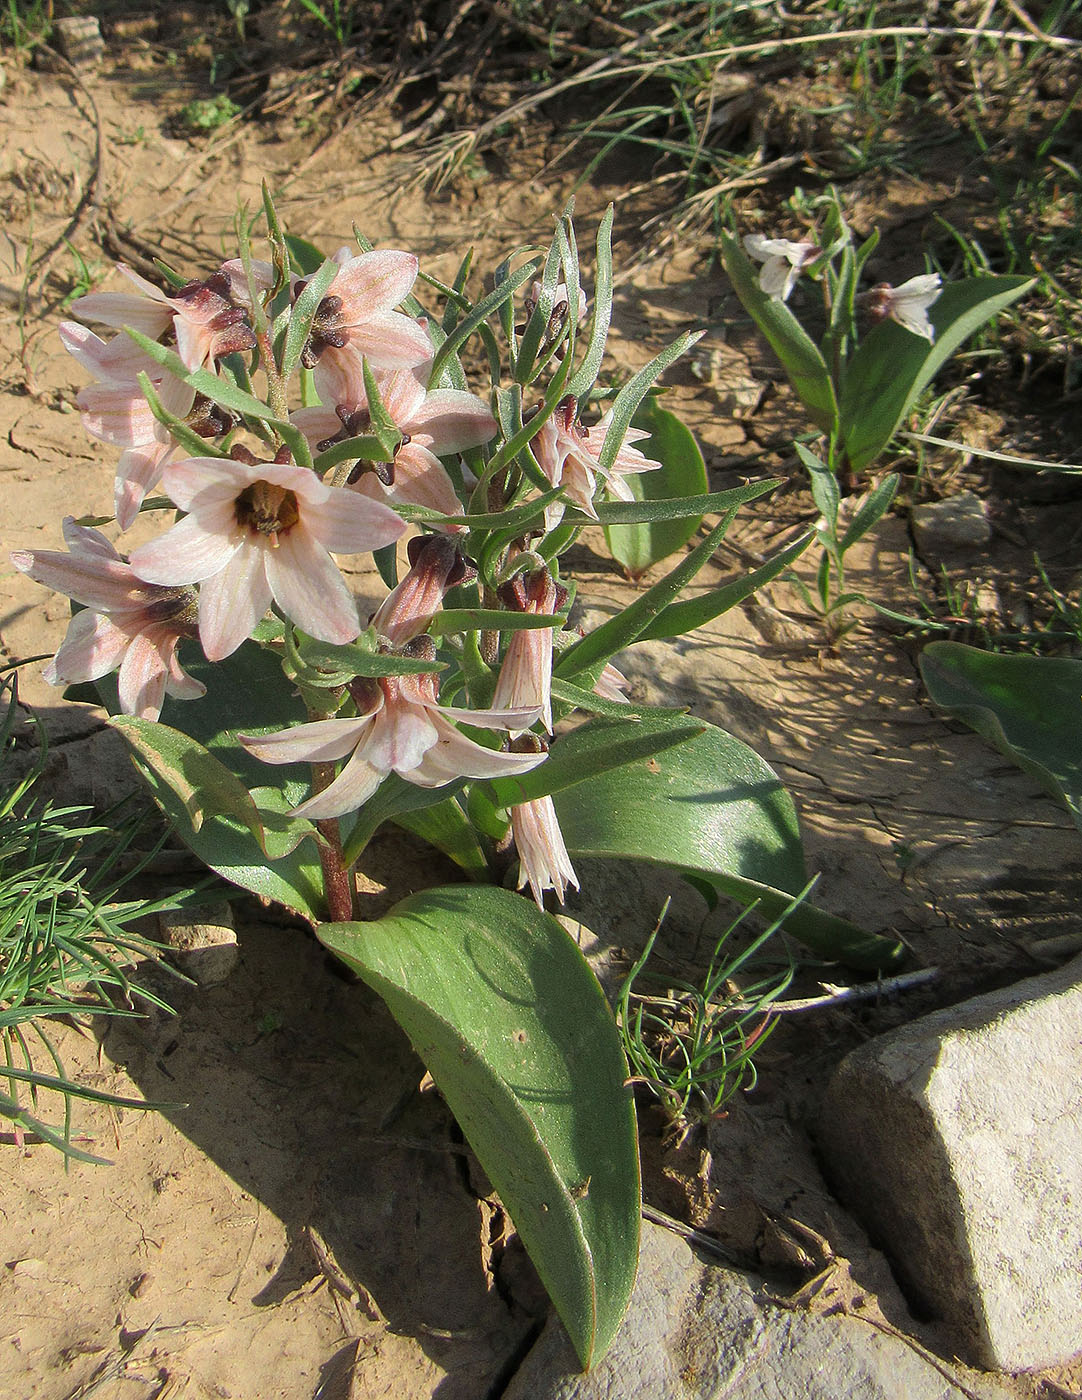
{"points": [[262, 522]]}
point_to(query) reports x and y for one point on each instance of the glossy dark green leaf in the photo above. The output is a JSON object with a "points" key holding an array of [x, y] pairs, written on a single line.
{"points": [[503, 1009], [1027, 707], [801, 358], [887, 373], [711, 807], [683, 473]]}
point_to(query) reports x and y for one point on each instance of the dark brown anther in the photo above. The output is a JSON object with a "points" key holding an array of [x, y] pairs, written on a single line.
{"points": [[382, 471], [210, 419], [240, 453], [283, 456], [421, 648], [325, 332]]}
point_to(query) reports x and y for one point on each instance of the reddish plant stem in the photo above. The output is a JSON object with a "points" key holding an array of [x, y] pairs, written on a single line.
{"points": [[337, 879]]}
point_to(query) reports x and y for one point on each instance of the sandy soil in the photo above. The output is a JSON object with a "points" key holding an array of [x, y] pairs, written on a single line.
{"points": [[309, 1224]]}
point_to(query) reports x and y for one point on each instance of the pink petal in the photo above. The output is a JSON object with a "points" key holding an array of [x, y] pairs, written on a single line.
{"points": [[349, 523], [216, 478], [233, 601], [455, 756], [87, 543], [316, 423], [389, 340], [115, 361], [352, 788], [420, 478], [138, 471], [93, 647], [402, 734], [450, 420], [188, 553], [177, 681], [306, 584], [101, 584], [122, 309], [117, 414], [321, 741], [141, 680], [543, 858], [374, 282]]}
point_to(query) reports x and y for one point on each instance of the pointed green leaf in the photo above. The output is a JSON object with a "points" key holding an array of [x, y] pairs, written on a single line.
{"points": [[627, 401], [1027, 707], [178, 429], [800, 356], [203, 381], [303, 314], [711, 807], [679, 508], [685, 616], [885, 376], [503, 1009], [683, 473], [595, 748], [446, 826]]}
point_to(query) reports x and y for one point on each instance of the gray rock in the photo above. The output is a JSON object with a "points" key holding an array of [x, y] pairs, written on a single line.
{"points": [[958, 1140], [698, 1332], [79, 40], [958, 523]]}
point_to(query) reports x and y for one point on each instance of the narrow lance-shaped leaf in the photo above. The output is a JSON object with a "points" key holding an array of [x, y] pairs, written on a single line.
{"points": [[591, 653], [303, 314], [678, 508], [801, 358], [582, 381], [203, 381], [503, 1009], [886, 375], [178, 430], [627, 401], [480, 313]]}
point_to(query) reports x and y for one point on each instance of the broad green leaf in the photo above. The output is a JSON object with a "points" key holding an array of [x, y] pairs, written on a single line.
{"points": [[683, 473], [680, 618], [304, 256], [503, 1009], [1027, 707], [595, 748], [712, 808], [393, 798], [887, 373], [225, 843], [800, 356]]}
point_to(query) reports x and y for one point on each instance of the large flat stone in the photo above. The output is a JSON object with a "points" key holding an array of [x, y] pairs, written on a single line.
{"points": [[958, 1141], [698, 1332]]}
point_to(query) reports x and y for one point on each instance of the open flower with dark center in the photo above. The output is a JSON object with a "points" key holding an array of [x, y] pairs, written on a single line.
{"points": [[567, 452], [356, 321], [203, 316], [434, 424], [257, 532], [126, 625]]}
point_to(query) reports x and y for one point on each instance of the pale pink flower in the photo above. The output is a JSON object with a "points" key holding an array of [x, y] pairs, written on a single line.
{"points": [[262, 531], [116, 411], [400, 728], [125, 624], [542, 855], [907, 304], [434, 425], [202, 315], [525, 679], [783, 261], [567, 452], [356, 321], [611, 684]]}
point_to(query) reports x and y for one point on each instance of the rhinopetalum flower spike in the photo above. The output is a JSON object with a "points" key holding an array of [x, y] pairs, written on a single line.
{"points": [[907, 304], [525, 679], [126, 625], [356, 321], [400, 725], [783, 261], [262, 531], [543, 861], [433, 425]]}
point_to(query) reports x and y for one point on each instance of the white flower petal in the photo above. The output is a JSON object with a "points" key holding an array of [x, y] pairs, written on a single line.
{"points": [[187, 553], [320, 741], [307, 585], [232, 602]]}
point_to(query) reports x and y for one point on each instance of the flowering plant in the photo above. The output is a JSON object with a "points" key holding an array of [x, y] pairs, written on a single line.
{"points": [[300, 409]]}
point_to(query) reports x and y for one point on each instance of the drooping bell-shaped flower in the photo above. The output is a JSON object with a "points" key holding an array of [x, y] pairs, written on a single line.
{"points": [[126, 625], [257, 532], [525, 679], [567, 452], [543, 861]]}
